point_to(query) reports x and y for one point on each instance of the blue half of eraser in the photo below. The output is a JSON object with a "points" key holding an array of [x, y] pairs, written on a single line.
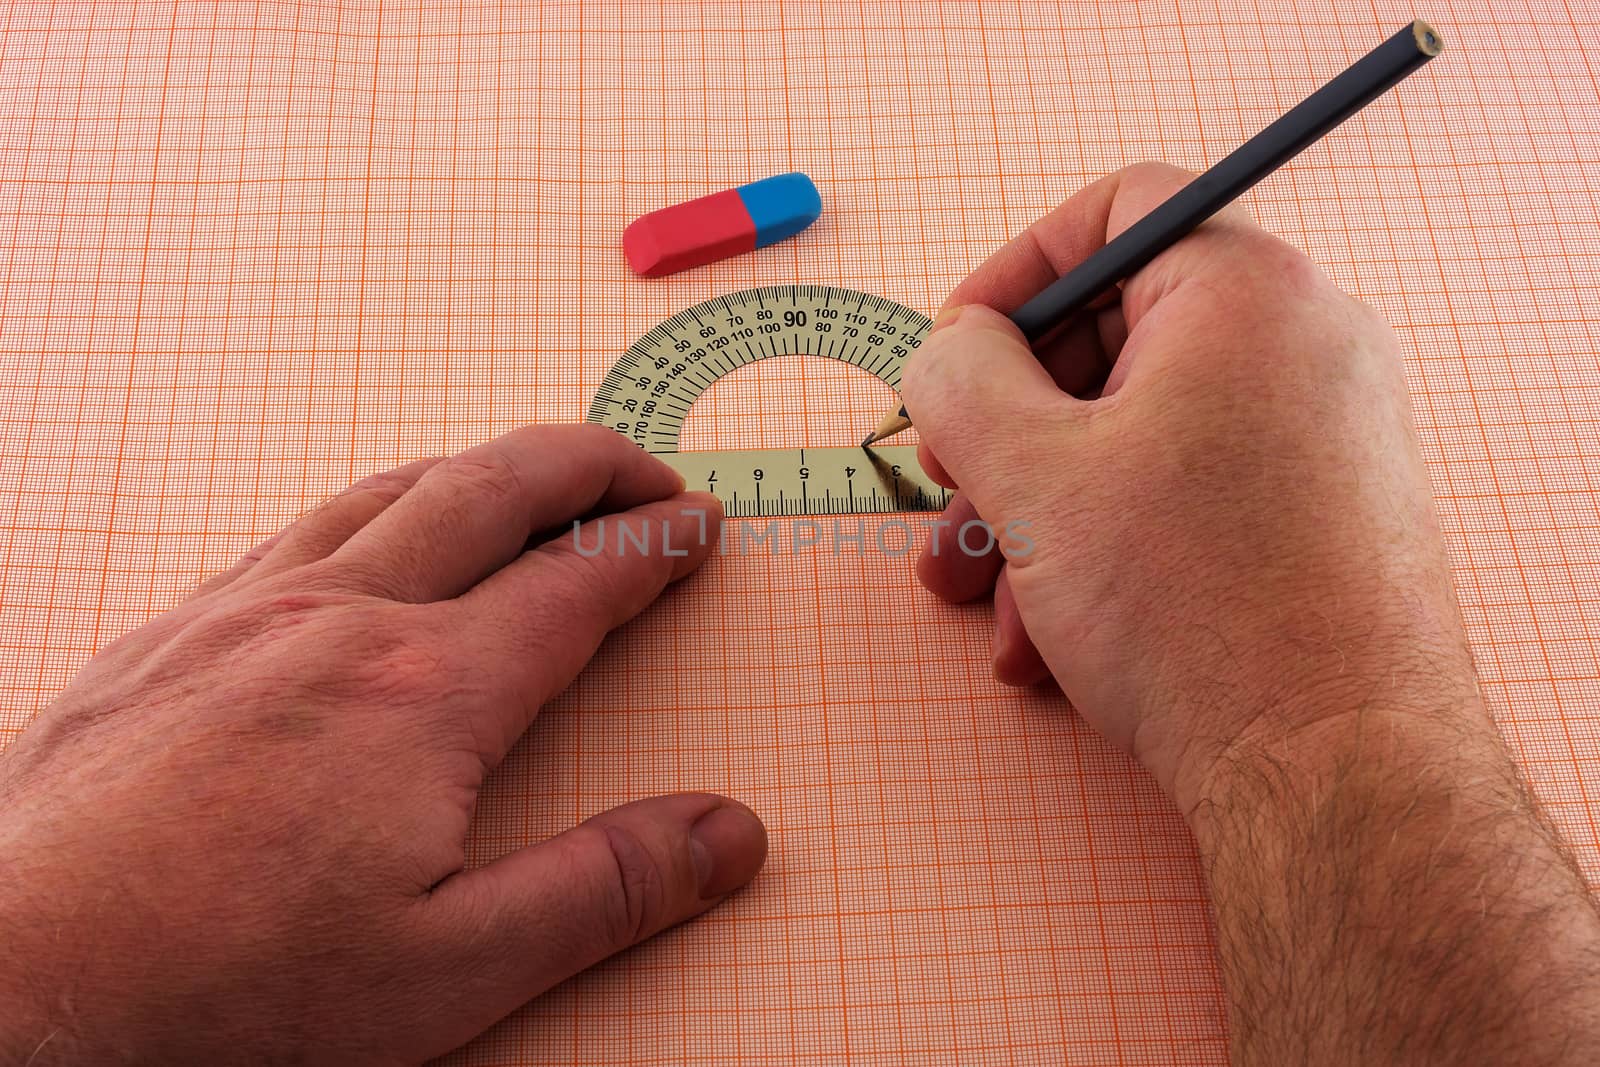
{"points": [[781, 206]]}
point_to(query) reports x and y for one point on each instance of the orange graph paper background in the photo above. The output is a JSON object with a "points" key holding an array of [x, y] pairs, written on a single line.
{"points": [[254, 250]]}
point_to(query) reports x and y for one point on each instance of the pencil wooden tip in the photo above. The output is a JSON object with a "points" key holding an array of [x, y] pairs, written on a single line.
{"points": [[1428, 40], [888, 426]]}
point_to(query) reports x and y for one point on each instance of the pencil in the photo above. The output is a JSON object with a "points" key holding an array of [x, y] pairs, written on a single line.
{"points": [[1364, 81]]}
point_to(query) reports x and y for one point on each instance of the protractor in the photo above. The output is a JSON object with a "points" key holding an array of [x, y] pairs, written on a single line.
{"points": [[647, 395]]}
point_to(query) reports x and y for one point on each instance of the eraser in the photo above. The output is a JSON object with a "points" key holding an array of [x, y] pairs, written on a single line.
{"points": [[780, 206], [721, 225]]}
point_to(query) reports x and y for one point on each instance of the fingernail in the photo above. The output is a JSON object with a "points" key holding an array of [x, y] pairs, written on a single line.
{"points": [[728, 845], [946, 317]]}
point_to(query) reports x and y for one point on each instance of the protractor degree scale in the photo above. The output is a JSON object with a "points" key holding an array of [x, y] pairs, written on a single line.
{"points": [[648, 392]]}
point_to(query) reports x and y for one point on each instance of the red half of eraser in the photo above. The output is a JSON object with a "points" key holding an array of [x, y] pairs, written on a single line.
{"points": [[690, 234]]}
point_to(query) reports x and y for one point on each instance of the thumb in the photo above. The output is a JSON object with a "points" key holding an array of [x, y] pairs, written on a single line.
{"points": [[981, 399], [505, 933]]}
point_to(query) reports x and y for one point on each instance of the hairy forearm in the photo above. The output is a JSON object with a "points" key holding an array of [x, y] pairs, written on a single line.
{"points": [[1386, 892]]}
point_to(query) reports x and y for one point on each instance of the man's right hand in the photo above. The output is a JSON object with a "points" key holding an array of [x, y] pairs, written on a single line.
{"points": [[1237, 536], [1236, 574]]}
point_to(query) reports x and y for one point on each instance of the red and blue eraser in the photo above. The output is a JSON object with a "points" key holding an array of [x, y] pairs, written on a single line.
{"points": [[723, 224]]}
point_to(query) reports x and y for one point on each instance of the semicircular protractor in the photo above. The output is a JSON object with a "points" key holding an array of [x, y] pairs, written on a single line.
{"points": [[648, 392]]}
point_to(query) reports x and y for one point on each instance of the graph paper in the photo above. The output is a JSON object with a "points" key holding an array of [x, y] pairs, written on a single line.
{"points": [[253, 251]]}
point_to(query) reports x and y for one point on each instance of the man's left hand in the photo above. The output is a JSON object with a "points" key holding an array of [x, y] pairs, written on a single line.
{"points": [[239, 834]]}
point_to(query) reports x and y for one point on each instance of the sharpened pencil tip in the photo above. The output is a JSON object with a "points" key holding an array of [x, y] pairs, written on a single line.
{"points": [[890, 425], [867, 440]]}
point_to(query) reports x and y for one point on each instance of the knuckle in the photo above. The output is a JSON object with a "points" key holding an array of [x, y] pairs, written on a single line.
{"points": [[258, 552], [363, 574], [925, 378], [382, 489], [403, 660], [1368, 319], [271, 614], [244, 563], [636, 892], [285, 623], [327, 525], [489, 473], [351, 657], [1288, 268]]}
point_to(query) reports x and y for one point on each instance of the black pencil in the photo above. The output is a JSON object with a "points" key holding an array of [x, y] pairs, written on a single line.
{"points": [[1365, 80]]}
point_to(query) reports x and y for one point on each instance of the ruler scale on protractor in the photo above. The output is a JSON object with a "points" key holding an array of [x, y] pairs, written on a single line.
{"points": [[648, 392]]}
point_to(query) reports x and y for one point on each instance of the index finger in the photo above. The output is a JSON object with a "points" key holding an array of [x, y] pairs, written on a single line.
{"points": [[529, 629], [1227, 249], [474, 513], [1081, 225]]}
